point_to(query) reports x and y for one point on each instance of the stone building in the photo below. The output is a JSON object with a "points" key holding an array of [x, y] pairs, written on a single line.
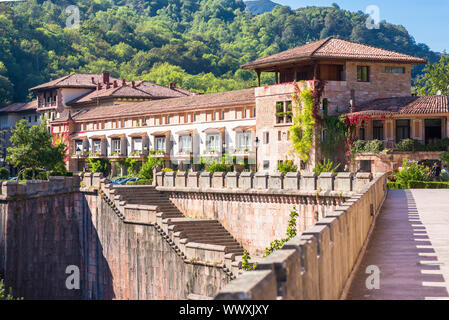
{"points": [[253, 124]]}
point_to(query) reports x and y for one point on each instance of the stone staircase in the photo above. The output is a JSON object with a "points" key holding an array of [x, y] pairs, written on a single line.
{"points": [[195, 240]]}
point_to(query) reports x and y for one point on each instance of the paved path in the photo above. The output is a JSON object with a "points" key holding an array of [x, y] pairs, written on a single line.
{"points": [[410, 245]]}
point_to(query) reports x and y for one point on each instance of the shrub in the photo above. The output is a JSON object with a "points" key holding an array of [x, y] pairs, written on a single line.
{"points": [[146, 171], [141, 182], [218, 167], [409, 145], [167, 170], [287, 166], [359, 146], [411, 172], [27, 174], [427, 185], [445, 158], [4, 174], [99, 165], [439, 145], [325, 166], [374, 146]]}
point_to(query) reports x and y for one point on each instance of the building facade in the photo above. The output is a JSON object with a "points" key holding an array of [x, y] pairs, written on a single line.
{"points": [[102, 117]]}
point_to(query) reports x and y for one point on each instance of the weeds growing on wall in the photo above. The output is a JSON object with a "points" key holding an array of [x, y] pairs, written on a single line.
{"points": [[246, 265], [291, 233]]}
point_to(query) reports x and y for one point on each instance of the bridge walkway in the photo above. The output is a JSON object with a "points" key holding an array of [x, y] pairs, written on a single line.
{"points": [[410, 246]]}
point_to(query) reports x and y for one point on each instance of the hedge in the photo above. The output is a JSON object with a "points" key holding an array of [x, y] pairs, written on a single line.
{"points": [[427, 185], [394, 185], [141, 182]]}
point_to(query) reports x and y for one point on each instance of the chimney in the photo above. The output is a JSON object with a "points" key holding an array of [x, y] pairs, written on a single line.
{"points": [[172, 85], [93, 80], [108, 85], [99, 86], [133, 83], [123, 82], [115, 84], [105, 77]]}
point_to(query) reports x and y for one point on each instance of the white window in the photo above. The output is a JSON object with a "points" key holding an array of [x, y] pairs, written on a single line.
{"points": [[160, 144], [137, 144], [213, 142], [115, 145], [185, 144], [96, 146], [244, 141], [78, 146]]}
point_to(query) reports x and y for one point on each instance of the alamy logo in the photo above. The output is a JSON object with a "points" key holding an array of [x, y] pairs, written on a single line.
{"points": [[73, 20], [73, 280], [373, 21], [373, 281]]}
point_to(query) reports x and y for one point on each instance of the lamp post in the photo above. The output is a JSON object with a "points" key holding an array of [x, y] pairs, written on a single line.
{"points": [[256, 144]]}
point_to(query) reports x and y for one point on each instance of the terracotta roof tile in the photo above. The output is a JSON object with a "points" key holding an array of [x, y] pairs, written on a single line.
{"points": [[190, 103], [75, 80], [331, 48], [405, 105], [20, 107]]}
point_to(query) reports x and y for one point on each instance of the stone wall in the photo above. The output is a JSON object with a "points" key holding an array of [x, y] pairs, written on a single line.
{"points": [[46, 226], [255, 209], [317, 263]]}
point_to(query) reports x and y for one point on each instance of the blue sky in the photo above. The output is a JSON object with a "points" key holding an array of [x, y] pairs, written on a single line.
{"points": [[426, 20]]}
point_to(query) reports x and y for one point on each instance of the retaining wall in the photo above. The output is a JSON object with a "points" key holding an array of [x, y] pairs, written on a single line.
{"points": [[316, 264]]}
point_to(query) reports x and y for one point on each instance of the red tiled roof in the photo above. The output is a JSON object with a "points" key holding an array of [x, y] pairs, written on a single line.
{"points": [[20, 107], [331, 48], [190, 103], [75, 80], [405, 105], [159, 91], [119, 92]]}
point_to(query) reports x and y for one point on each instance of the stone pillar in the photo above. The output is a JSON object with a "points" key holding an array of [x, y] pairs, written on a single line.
{"points": [[181, 179], [205, 180], [261, 180], [343, 182], [291, 181], [361, 180], [218, 179], [232, 180], [326, 181], [96, 179], [246, 180], [276, 181], [192, 179], [169, 179], [308, 181], [160, 178], [87, 180]]}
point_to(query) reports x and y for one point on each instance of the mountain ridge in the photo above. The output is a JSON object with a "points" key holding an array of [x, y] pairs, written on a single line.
{"points": [[260, 6]]}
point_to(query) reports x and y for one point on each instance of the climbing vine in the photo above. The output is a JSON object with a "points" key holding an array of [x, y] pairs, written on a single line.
{"points": [[291, 233], [351, 122], [246, 265], [302, 129]]}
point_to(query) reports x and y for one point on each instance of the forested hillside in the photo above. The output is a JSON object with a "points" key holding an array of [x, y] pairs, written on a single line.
{"points": [[199, 44], [260, 6]]}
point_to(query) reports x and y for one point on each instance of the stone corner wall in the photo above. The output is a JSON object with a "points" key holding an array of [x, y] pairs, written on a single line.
{"points": [[317, 263]]}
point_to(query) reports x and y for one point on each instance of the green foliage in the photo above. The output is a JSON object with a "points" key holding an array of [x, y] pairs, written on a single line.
{"points": [[133, 166], [4, 174], [435, 78], [206, 40], [287, 166], [99, 165], [224, 164], [438, 145], [167, 170], [141, 182], [32, 148], [146, 172], [302, 129], [445, 158], [4, 294], [394, 185], [411, 172], [325, 166], [427, 185], [291, 233], [246, 265], [372, 146], [408, 145], [335, 136]]}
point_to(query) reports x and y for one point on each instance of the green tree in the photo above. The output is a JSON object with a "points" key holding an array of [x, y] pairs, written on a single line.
{"points": [[435, 78], [32, 148]]}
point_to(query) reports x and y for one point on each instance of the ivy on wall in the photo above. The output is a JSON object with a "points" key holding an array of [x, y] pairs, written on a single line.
{"points": [[302, 129]]}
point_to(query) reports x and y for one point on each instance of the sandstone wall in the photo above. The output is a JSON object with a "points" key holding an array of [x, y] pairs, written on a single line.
{"points": [[317, 263]]}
